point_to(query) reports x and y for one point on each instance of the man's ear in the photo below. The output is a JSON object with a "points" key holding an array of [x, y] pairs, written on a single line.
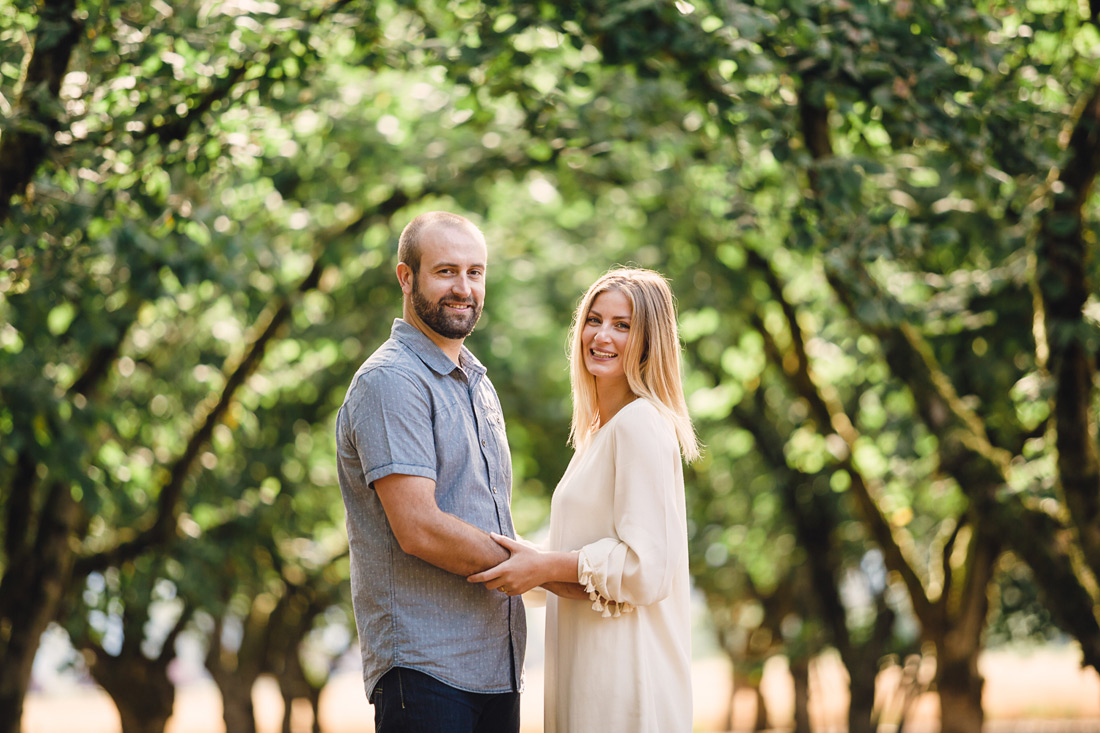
{"points": [[405, 277]]}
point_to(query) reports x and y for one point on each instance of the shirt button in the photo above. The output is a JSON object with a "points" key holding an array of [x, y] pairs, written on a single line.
{"points": [[483, 442]]}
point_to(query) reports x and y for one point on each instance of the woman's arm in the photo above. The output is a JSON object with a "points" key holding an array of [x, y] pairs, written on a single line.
{"points": [[640, 564]]}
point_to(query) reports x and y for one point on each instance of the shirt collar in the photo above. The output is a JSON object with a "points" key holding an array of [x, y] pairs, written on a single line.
{"points": [[432, 356]]}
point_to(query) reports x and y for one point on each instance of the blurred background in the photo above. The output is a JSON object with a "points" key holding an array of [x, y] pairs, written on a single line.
{"points": [[879, 220]]}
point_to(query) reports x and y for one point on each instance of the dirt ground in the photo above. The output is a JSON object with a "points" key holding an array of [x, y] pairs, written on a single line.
{"points": [[1042, 691]]}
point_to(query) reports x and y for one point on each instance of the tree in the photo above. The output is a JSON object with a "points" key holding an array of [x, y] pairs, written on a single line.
{"points": [[130, 664], [893, 134], [859, 204]]}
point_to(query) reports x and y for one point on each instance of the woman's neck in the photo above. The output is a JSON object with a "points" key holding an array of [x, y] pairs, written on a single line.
{"points": [[612, 397]]}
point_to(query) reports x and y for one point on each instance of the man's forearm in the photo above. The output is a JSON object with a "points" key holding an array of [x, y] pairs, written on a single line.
{"points": [[425, 531], [566, 590], [453, 545]]}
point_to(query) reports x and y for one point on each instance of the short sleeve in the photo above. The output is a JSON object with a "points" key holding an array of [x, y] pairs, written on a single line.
{"points": [[638, 567], [390, 423]]}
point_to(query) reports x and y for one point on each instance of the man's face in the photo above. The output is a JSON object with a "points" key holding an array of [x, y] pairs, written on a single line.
{"points": [[448, 291]]}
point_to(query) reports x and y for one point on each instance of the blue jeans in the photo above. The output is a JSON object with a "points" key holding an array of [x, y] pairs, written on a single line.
{"points": [[407, 701]]}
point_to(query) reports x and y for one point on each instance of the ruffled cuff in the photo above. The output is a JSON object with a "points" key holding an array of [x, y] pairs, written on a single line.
{"points": [[605, 606]]}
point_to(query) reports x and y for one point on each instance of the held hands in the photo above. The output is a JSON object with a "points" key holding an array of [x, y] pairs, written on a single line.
{"points": [[521, 572]]}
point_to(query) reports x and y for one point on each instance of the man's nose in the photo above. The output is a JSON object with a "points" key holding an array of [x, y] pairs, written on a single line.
{"points": [[461, 286]]}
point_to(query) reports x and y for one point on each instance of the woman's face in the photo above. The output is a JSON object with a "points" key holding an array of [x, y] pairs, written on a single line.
{"points": [[605, 333]]}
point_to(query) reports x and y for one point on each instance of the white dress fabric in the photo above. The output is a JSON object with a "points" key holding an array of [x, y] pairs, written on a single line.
{"points": [[621, 661]]}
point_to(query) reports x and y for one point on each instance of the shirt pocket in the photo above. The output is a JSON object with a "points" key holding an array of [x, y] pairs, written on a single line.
{"points": [[494, 418]]}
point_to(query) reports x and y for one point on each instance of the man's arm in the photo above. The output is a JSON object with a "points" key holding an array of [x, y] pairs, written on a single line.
{"points": [[565, 589], [431, 534]]}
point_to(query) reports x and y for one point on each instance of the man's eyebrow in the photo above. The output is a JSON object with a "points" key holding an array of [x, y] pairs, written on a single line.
{"points": [[457, 265]]}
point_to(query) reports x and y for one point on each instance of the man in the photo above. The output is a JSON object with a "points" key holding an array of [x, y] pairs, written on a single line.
{"points": [[425, 474]]}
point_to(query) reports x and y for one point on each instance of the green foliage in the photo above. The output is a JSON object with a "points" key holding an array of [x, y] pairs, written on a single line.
{"points": [[813, 178]]}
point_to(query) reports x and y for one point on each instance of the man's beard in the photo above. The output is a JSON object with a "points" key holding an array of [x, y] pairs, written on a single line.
{"points": [[442, 320]]}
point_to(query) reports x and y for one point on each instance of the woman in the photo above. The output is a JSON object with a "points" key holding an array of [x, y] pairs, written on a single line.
{"points": [[618, 647]]}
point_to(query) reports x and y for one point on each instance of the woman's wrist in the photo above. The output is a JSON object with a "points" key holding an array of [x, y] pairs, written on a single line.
{"points": [[563, 567]]}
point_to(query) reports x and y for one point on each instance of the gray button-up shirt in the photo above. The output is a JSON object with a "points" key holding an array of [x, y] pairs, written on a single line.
{"points": [[411, 410]]}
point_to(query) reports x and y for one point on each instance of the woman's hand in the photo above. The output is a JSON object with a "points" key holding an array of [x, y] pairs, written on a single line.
{"points": [[527, 568], [519, 573]]}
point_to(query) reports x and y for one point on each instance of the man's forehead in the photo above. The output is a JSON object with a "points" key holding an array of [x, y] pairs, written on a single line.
{"points": [[451, 243]]}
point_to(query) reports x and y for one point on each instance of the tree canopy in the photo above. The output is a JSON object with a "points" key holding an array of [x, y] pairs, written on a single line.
{"points": [[878, 218]]}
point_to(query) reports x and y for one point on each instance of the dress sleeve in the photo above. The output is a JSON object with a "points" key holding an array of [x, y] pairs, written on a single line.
{"points": [[637, 567]]}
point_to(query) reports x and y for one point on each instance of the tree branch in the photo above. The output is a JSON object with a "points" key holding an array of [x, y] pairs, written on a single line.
{"points": [[832, 419], [814, 119], [1064, 288], [972, 606], [946, 570], [162, 526], [813, 521], [168, 651], [980, 469], [24, 146], [209, 414]]}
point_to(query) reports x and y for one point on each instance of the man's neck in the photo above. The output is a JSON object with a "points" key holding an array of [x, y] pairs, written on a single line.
{"points": [[451, 347]]}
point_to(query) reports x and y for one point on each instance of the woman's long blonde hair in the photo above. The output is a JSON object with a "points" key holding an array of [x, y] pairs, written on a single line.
{"points": [[651, 361]]}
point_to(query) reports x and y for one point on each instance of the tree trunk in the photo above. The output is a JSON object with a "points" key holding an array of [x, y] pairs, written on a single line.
{"points": [[142, 716], [313, 696], [27, 623], [235, 671], [32, 594], [959, 685], [288, 709], [237, 709], [861, 707], [139, 686], [761, 722], [315, 705], [800, 671], [144, 700], [733, 693]]}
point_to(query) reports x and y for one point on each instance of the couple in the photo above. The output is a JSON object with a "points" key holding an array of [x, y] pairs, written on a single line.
{"points": [[425, 474]]}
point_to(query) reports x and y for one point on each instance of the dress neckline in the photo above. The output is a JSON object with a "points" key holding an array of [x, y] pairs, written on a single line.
{"points": [[621, 411]]}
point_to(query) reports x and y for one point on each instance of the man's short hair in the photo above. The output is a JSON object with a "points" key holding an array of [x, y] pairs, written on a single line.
{"points": [[408, 245]]}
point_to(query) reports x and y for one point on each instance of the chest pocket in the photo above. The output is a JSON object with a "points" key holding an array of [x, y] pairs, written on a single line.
{"points": [[493, 416]]}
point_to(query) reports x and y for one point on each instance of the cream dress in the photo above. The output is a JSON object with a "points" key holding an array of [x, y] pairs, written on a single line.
{"points": [[621, 661]]}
